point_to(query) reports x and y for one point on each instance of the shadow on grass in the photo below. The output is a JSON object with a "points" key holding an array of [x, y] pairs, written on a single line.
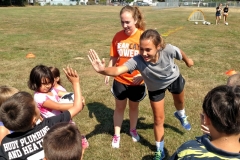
{"points": [[104, 116]]}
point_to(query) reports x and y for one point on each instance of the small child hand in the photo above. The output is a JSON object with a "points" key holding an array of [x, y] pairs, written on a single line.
{"points": [[205, 129], [189, 62], [106, 80], [71, 74]]}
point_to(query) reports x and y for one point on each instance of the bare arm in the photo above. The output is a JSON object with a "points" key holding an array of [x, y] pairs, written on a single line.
{"points": [[111, 63], [99, 66], [74, 79], [189, 62], [56, 105], [3, 132]]}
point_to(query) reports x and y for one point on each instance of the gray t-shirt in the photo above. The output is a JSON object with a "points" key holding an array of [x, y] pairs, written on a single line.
{"points": [[157, 75]]}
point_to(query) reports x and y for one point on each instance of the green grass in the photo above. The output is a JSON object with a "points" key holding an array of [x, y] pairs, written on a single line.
{"points": [[57, 35]]}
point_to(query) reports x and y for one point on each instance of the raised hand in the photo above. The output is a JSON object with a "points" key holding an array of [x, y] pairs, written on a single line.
{"points": [[97, 64], [71, 74]]}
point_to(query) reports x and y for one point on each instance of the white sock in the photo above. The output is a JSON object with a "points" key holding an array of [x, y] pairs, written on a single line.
{"points": [[181, 113]]}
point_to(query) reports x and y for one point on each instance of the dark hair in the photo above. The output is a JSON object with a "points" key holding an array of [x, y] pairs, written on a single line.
{"points": [[136, 14], [17, 112], [154, 36], [38, 73], [56, 73], [234, 80], [63, 141], [222, 106]]}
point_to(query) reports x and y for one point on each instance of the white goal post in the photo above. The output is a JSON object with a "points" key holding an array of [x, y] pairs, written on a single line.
{"points": [[196, 15]]}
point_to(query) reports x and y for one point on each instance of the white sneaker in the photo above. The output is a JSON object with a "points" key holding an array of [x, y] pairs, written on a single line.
{"points": [[135, 136], [115, 141]]}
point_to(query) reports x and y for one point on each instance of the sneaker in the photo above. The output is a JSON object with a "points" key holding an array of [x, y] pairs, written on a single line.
{"points": [[159, 155], [135, 136], [115, 141], [85, 143], [183, 121]]}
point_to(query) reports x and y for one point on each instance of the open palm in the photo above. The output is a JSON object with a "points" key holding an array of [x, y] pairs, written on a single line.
{"points": [[97, 64]]}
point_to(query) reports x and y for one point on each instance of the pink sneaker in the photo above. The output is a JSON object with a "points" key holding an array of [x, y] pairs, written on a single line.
{"points": [[115, 141], [135, 136], [85, 143]]}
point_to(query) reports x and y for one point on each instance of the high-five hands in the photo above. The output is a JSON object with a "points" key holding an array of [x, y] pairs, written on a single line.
{"points": [[97, 64]]}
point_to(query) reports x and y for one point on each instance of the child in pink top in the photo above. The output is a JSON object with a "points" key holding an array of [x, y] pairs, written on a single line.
{"points": [[47, 97]]}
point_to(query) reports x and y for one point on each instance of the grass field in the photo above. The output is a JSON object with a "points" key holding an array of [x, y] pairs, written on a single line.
{"points": [[62, 35]]}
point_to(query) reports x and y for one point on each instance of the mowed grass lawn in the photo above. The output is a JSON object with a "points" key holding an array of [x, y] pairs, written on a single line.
{"points": [[62, 35]]}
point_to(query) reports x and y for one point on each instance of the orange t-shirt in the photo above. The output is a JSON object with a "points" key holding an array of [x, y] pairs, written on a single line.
{"points": [[125, 47]]}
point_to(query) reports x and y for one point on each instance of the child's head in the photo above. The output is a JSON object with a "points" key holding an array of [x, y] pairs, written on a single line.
{"points": [[19, 113], [63, 141], [222, 106], [150, 44], [234, 80], [41, 79], [6, 92], [131, 18], [56, 74]]}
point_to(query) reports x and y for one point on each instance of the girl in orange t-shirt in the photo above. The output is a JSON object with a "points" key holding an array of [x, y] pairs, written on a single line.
{"points": [[131, 87]]}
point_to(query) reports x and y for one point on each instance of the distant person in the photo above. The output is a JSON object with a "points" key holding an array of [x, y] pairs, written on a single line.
{"points": [[218, 13], [221, 114], [127, 88], [156, 64], [20, 114], [5, 93], [63, 142], [225, 13], [57, 80]]}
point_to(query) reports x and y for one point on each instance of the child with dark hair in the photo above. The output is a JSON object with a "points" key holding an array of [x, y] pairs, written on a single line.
{"points": [[47, 97], [20, 114], [57, 81], [63, 141], [156, 64], [5, 93], [221, 114]]}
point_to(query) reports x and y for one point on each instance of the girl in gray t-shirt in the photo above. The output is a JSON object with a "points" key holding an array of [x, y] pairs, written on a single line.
{"points": [[156, 64]]}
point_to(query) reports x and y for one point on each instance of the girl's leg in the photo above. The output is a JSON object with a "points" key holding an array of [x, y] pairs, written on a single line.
{"points": [[180, 114], [158, 114], [118, 119], [133, 116], [178, 100]]}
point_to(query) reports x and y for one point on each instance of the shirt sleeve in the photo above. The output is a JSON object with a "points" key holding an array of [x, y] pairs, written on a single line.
{"points": [[177, 53], [63, 117], [39, 98], [131, 64], [2, 155]]}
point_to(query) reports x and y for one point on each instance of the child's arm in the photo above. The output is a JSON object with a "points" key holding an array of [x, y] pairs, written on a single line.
{"points": [[189, 62], [111, 63], [74, 79], [3, 132], [99, 66]]}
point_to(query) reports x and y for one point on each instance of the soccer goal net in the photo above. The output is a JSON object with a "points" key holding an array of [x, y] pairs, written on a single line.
{"points": [[196, 15]]}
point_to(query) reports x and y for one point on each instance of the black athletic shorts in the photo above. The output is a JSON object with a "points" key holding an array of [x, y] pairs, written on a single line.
{"points": [[176, 88], [134, 93]]}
